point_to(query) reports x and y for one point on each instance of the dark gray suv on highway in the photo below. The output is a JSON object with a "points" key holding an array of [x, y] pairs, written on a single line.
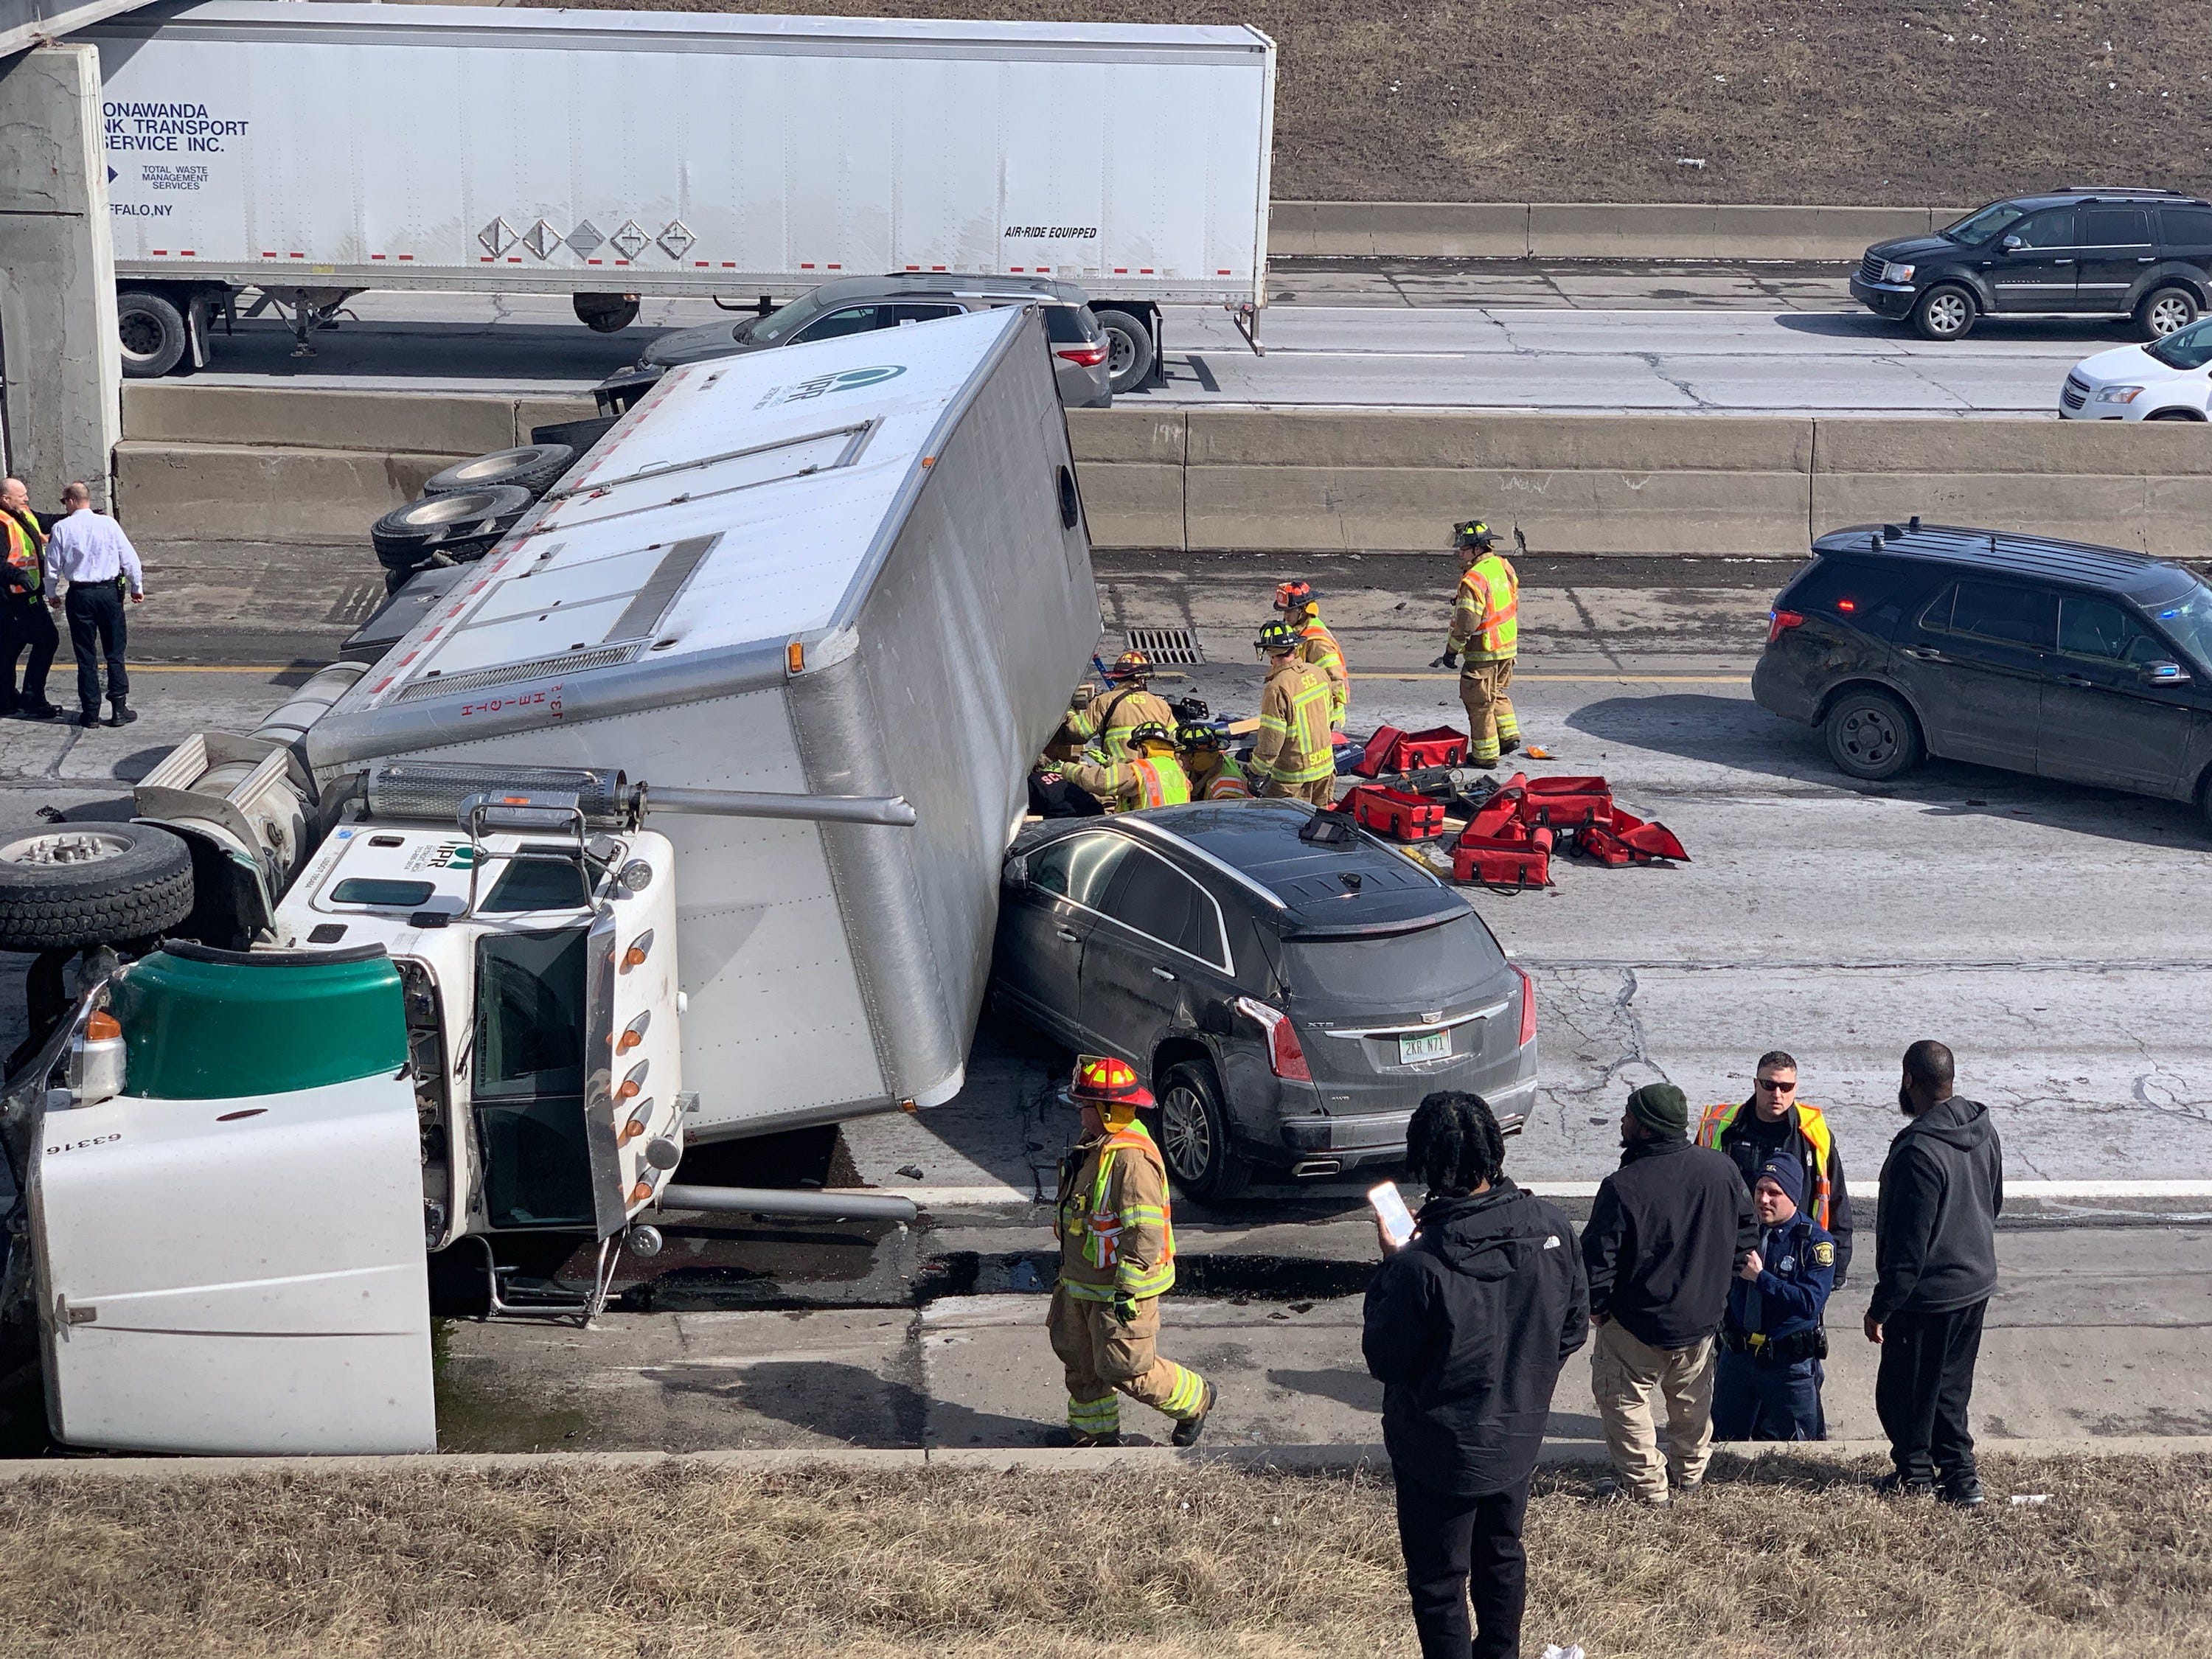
{"points": [[2140, 253], [1287, 1000], [2053, 658], [861, 305]]}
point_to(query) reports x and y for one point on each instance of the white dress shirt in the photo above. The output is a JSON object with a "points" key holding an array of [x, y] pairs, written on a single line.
{"points": [[91, 548]]}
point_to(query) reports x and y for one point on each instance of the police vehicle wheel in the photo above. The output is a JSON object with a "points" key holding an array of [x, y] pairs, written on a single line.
{"points": [[1944, 313], [1872, 736], [408, 534], [65, 886], [533, 467], [152, 332], [2163, 311], [1193, 1134], [1129, 349]]}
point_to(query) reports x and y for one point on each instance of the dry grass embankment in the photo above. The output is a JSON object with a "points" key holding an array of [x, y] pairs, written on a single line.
{"points": [[1843, 101], [670, 1563]]}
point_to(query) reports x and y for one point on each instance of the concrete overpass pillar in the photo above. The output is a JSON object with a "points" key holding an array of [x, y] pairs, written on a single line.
{"points": [[62, 368]]}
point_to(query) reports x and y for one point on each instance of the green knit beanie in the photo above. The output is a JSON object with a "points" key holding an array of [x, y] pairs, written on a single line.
{"points": [[1662, 1108]]}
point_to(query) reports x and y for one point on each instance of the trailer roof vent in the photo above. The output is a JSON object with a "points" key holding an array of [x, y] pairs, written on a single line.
{"points": [[1166, 645]]}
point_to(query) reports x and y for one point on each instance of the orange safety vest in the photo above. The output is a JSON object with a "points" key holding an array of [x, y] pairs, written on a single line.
{"points": [[25, 548], [1226, 782], [1812, 1125], [1160, 783]]}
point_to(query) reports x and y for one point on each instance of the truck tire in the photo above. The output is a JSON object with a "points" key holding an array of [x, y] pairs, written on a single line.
{"points": [[605, 314], [461, 524], [2163, 311], [66, 886], [1129, 349], [533, 467], [153, 334]]}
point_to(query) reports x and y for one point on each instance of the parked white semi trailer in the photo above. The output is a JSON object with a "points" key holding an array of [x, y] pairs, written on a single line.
{"points": [[307, 153], [680, 819]]}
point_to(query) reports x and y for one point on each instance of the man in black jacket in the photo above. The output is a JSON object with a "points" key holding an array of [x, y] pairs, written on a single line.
{"points": [[1669, 1230], [1467, 1328], [1936, 1265]]}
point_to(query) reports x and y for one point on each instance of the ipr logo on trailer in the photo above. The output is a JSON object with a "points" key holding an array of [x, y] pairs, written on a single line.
{"points": [[849, 379]]}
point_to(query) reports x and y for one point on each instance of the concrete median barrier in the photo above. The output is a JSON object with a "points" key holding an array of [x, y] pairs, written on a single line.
{"points": [[239, 464], [1587, 230]]}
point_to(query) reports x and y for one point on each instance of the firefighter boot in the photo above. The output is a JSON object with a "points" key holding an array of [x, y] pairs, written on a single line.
{"points": [[1187, 1430]]}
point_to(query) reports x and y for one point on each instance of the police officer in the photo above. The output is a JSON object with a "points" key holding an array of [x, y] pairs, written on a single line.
{"points": [[1772, 1342], [1214, 773], [1485, 640], [1148, 775]]}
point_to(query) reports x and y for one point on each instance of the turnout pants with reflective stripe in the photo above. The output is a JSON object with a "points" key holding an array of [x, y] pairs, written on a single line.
{"points": [[1105, 1359], [1490, 716]]}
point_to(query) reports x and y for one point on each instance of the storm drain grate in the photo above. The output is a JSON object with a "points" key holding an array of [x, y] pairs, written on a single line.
{"points": [[1166, 645]]}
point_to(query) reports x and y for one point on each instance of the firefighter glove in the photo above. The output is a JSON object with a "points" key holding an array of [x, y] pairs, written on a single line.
{"points": [[1450, 659], [1125, 1308]]}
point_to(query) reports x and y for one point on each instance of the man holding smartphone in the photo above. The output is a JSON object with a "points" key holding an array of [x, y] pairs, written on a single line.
{"points": [[1468, 1324]]}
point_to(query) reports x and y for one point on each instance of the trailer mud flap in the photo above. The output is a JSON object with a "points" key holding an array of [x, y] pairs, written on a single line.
{"points": [[241, 1275]]}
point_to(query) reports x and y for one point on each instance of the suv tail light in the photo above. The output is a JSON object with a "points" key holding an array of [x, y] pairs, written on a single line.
{"points": [[1082, 356], [1285, 1059], [1780, 623], [1527, 1007]]}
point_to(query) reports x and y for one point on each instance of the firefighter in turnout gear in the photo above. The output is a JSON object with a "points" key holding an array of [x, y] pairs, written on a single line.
{"points": [[1106, 720], [1214, 775], [1485, 636], [1293, 755], [1301, 609], [1147, 775], [1116, 1260]]}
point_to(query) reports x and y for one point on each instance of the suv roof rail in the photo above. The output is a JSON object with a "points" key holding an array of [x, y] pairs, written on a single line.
{"points": [[2122, 190]]}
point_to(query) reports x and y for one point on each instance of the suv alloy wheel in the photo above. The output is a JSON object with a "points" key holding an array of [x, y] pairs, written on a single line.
{"points": [[1944, 313], [1193, 1134]]}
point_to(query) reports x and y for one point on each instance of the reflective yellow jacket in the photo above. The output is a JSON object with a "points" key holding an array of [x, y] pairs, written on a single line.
{"points": [[1487, 618], [1318, 646], [1113, 714], [1117, 1234], [1293, 745]]}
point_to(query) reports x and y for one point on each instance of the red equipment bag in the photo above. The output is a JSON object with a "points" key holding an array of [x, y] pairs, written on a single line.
{"points": [[1376, 758], [1513, 863], [1396, 813], [1595, 842], [1627, 837], [1568, 803], [1439, 745]]}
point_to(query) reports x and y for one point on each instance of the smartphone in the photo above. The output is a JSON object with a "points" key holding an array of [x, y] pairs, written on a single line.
{"points": [[1397, 1219]]}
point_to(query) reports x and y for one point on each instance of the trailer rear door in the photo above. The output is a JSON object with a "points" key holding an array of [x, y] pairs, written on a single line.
{"points": [[239, 1275]]}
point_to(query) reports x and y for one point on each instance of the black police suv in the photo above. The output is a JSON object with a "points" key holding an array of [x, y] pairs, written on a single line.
{"points": [[2052, 658], [2140, 253]]}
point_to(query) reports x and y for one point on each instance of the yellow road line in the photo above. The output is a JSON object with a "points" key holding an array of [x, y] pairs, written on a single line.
{"points": [[1580, 679], [241, 668]]}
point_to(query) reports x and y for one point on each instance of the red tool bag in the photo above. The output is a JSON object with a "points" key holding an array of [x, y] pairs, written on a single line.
{"points": [[1396, 813], [1375, 759], [1519, 860], [1626, 838], [1568, 803], [1439, 745]]}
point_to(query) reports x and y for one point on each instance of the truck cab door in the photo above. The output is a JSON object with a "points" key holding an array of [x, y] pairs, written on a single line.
{"points": [[221, 1272]]}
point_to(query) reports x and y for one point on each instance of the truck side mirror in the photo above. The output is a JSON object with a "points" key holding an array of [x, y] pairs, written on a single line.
{"points": [[2162, 673]]}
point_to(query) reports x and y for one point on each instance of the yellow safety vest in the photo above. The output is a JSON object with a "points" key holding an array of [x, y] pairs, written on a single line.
{"points": [[1812, 1124], [25, 548], [1226, 782], [1495, 590], [1084, 1217], [1160, 782]]}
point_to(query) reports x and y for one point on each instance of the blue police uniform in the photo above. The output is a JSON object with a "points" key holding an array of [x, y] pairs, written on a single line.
{"points": [[1769, 1382]]}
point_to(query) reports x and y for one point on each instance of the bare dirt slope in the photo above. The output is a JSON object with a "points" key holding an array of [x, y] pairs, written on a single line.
{"points": [[1839, 101]]}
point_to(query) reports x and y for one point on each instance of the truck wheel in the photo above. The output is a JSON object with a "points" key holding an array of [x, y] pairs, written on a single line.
{"points": [[605, 314], [1872, 736], [533, 467], [444, 523], [1193, 1134], [1129, 349], [153, 334], [68, 886]]}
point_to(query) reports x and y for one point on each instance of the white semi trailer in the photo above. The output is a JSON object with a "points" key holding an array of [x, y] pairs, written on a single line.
{"points": [[304, 154], [679, 819]]}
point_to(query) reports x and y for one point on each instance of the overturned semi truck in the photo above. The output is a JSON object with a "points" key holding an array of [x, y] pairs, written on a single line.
{"points": [[679, 819]]}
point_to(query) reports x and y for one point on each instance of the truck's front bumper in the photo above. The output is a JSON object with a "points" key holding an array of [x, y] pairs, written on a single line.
{"points": [[1891, 300]]}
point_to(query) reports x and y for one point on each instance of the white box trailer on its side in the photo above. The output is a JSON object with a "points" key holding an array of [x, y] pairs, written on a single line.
{"points": [[312, 152], [814, 611]]}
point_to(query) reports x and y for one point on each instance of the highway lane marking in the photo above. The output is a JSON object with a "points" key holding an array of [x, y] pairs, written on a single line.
{"points": [[1577, 679], [225, 668]]}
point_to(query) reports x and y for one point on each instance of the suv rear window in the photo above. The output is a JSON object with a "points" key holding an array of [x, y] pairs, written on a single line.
{"points": [[1871, 596], [2186, 226], [1070, 324], [1395, 974]]}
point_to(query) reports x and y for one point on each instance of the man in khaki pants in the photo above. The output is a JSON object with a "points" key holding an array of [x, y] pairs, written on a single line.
{"points": [[1669, 1230]]}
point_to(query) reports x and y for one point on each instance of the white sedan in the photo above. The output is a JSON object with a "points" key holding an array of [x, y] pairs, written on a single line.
{"points": [[2167, 380]]}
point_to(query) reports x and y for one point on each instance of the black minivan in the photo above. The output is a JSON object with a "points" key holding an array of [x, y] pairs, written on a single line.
{"points": [[2141, 253], [2053, 658]]}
